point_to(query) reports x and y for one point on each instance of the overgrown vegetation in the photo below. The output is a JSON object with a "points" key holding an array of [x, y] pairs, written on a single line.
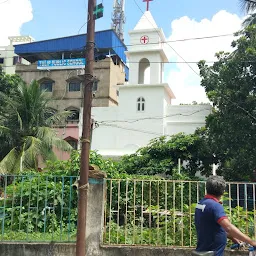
{"points": [[43, 205], [170, 229], [40, 206], [144, 209], [161, 155]]}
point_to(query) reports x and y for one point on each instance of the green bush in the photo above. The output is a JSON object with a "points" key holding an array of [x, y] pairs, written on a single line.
{"points": [[40, 204], [170, 228]]}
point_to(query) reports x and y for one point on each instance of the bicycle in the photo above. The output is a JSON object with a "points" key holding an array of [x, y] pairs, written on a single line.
{"points": [[251, 249]]}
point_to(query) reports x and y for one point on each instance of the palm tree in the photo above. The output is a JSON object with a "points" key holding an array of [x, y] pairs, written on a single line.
{"points": [[249, 6], [250, 20], [27, 127]]}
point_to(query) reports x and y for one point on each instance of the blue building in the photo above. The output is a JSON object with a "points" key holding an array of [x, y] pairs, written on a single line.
{"points": [[107, 43]]}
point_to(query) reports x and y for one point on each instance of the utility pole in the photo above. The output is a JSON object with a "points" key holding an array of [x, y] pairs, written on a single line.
{"points": [[86, 133]]}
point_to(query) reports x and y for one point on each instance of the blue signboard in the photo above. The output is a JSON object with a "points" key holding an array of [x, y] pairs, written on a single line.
{"points": [[61, 64]]}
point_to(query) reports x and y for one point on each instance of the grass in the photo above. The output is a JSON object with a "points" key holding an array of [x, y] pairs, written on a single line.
{"points": [[20, 236]]}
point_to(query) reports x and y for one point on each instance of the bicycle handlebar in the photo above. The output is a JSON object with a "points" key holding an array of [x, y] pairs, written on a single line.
{"points": [[237, 246]]}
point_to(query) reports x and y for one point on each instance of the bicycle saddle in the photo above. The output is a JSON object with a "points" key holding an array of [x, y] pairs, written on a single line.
{"points": [[209, 253]]}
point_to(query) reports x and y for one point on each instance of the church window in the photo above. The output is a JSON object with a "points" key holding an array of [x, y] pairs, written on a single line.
{"points": [[141, 104]]}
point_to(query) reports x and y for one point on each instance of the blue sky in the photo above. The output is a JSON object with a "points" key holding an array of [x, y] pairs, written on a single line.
{"points": [[57, 18], [46, 19]]}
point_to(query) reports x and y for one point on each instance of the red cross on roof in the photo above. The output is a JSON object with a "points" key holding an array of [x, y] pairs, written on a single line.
{"points": [[144, 39], [147, 3]]}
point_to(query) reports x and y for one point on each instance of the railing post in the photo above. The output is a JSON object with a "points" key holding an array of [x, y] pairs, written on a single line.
{"points": [[95, 217]]}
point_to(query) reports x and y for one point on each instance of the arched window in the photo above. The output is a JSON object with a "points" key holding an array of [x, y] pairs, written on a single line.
{"points": [[140, 104], [74, 115], [74, 86], [144, 71], [46, 85], [72, 141]]}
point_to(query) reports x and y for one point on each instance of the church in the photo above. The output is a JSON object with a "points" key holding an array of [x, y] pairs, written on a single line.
{"points": [[145, 109], [130, 106]]}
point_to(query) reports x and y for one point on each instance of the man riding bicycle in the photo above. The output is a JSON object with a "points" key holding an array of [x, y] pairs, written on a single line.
{"points": [[212, 224]]}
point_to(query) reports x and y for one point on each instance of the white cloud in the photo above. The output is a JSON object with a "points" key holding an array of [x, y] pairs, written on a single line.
{"points": [[14, 13], [183, 81]]}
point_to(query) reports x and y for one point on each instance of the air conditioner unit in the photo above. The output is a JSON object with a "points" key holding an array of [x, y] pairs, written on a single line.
{"points": [[80, 72]]}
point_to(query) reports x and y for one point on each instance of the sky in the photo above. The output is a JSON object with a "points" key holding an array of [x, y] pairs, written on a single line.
{"points": [[179, 19]]}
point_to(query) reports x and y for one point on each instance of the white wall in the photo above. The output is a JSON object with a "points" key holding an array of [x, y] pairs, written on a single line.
{"points": [[186, 118], [122, 130]]}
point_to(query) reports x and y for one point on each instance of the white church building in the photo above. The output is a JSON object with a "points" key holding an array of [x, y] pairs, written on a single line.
{"points": [[145, 109]]}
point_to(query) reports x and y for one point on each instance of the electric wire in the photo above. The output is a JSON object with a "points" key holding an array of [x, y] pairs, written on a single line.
{"points": [[152, 118], [161, 42], [4, 1], [130, 129]]}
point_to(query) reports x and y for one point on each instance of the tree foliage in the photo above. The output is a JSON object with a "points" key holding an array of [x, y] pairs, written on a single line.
{"points": [[26, 127], [162, 154], [8, 83], [231, 86], [8, 86], [250, 20], [248, 5]]}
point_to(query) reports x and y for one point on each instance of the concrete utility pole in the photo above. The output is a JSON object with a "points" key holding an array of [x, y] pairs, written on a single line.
{"points": [[86, 133]]}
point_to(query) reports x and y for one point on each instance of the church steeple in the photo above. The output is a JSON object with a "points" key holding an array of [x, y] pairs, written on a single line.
{"points": [[146, 53], [146, 22], [146, 94]]}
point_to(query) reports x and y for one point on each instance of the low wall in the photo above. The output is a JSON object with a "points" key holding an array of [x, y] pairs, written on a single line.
{"points": [[65, 249], [37, 249], [152, 251]]}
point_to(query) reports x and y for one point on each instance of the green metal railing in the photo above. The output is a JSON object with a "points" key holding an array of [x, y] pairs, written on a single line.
{"points": [[38, 208], [161, 212]]}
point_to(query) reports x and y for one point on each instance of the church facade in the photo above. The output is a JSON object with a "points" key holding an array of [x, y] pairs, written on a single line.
{"points": [[145, 109]]}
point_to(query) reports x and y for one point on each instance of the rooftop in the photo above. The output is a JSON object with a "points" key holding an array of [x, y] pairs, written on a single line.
{"points": [[106, 41]]}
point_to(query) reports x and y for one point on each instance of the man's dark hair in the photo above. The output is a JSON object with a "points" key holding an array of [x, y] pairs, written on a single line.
{"points": [[215, 185]]}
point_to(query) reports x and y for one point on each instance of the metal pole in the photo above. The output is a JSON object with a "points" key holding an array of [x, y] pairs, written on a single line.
{"points": [[179, 164], [86, 133]]}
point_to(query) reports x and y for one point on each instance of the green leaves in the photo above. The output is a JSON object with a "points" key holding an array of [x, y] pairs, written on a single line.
{"points": [[230, 85], [162, 154], [26, 128], [39, 207]]}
